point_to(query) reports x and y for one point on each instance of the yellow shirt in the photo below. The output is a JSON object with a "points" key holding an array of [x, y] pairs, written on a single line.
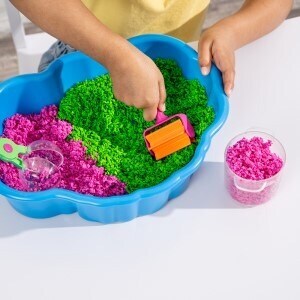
{"points": [[132, 17]]}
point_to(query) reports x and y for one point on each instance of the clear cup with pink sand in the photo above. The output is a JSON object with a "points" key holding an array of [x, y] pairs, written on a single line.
{"points": [[254, 162]]}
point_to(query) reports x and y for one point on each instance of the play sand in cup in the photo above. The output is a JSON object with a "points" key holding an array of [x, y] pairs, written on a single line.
{"points": [[254, 162]]}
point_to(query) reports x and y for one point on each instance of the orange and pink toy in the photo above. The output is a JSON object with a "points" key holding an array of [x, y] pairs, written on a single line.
{"points": [[168, 135]]}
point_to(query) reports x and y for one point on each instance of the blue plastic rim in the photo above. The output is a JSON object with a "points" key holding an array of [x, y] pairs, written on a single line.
{"points": [[30, 93]]}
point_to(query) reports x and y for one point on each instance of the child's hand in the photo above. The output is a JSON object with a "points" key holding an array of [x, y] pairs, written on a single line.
{"points": [[138, 82], [217, 44]]}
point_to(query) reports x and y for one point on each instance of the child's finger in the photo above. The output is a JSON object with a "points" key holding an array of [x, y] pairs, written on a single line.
{"points": [[225, 63], [150, 113], [228, 81], [162, 95], [204, 52]]}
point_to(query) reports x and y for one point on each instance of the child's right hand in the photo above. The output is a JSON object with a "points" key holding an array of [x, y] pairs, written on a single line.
{"points": [[137, 81]]}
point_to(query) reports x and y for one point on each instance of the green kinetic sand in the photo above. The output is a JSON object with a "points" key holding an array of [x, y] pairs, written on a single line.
{"points": [[113, 132]]}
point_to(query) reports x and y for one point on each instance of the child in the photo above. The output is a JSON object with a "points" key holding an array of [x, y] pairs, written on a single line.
{"points": [[99, 28]]}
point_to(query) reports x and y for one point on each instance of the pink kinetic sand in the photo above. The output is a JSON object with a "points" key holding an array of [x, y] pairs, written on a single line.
{"points": [[255, 166], [78, 172]]}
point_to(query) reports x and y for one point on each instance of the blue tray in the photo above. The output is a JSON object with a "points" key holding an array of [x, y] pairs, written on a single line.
{"points": [[30, 93]]}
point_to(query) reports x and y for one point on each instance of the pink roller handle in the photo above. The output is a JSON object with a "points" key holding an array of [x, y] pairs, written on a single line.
{"points": [[160, 117]]}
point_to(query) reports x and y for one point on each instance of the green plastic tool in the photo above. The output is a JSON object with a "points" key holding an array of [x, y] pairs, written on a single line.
{"points": [[9, 152], [37, 161]]}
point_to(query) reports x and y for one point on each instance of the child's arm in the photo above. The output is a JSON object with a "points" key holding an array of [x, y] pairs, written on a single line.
{"points": [[136, 79], [255, 19]]}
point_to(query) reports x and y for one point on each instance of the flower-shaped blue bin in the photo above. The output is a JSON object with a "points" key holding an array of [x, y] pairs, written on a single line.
{"points": [[30, 93]]}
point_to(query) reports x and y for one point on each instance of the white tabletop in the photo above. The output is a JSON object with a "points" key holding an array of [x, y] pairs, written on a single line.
{"points": [[202, 245]]}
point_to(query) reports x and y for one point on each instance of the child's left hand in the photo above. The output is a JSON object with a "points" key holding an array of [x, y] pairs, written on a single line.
{"points": [[216, 45], [253, 20]]}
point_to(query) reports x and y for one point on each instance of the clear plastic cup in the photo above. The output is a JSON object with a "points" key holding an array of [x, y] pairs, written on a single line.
{"points": [[254, 192], [41, 164]]}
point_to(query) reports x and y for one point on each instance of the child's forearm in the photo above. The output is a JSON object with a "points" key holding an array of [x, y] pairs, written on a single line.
{"points": [[257, 18], [136, 79], [71, 22]]}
